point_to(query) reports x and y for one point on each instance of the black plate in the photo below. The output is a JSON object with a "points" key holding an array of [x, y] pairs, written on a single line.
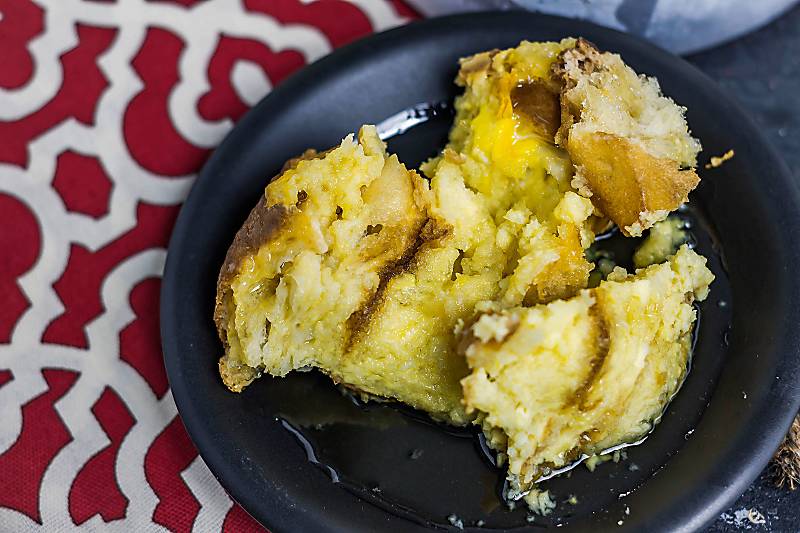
{"points": [[718, 433]]}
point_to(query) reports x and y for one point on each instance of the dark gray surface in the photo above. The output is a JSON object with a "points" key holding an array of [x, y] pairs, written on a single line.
{"points": [[762, 71]]}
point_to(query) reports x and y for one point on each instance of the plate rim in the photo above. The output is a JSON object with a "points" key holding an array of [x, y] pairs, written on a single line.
{"points": [[704, 510]]}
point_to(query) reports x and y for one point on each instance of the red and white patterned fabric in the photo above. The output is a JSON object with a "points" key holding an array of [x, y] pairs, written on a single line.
{"points": [[108, 108]]}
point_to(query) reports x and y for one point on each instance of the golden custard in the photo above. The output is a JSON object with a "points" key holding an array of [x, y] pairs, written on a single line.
{"points": [[359, 267], [578, 376], [502, 148], [661, 242]]}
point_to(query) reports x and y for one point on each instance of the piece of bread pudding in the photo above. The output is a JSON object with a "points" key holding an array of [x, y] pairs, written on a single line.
{"points": [[359, 267], [575, 377]]}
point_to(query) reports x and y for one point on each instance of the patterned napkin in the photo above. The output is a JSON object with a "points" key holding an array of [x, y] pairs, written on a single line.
{"points": [[108, 108]]}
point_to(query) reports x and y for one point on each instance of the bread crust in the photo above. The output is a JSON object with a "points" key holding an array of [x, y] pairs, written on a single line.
{"points": [[621, 174], [262, 224]]}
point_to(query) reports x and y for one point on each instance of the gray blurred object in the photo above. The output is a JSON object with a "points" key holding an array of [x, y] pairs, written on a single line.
{"points": [[681, 26]]}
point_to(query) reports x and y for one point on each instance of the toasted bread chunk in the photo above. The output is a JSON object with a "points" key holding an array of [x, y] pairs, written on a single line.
{"points": [[631, 147], [554, 382], [313, 253]]}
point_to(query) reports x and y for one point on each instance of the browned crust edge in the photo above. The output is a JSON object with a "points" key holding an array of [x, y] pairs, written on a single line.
{"points": [[261, 225]]}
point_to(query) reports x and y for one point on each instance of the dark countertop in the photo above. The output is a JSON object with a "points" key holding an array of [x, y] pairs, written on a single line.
{"points": [[762, 71]]}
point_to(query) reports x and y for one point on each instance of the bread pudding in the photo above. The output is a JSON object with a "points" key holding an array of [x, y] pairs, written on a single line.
{"points": [[521, 241], [463, 293], [575, 377], [630, 145], [312, 256]]}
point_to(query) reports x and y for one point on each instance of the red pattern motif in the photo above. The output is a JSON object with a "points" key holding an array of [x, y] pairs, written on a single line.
{"points": [[95, 490], [22, 21], [152, 138], [43, 436], [82, 184], [96, 155], [222, 101], [169, 455], [238, 520], [140, 341], [82, 86], [79, 287], [21, 234]]}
